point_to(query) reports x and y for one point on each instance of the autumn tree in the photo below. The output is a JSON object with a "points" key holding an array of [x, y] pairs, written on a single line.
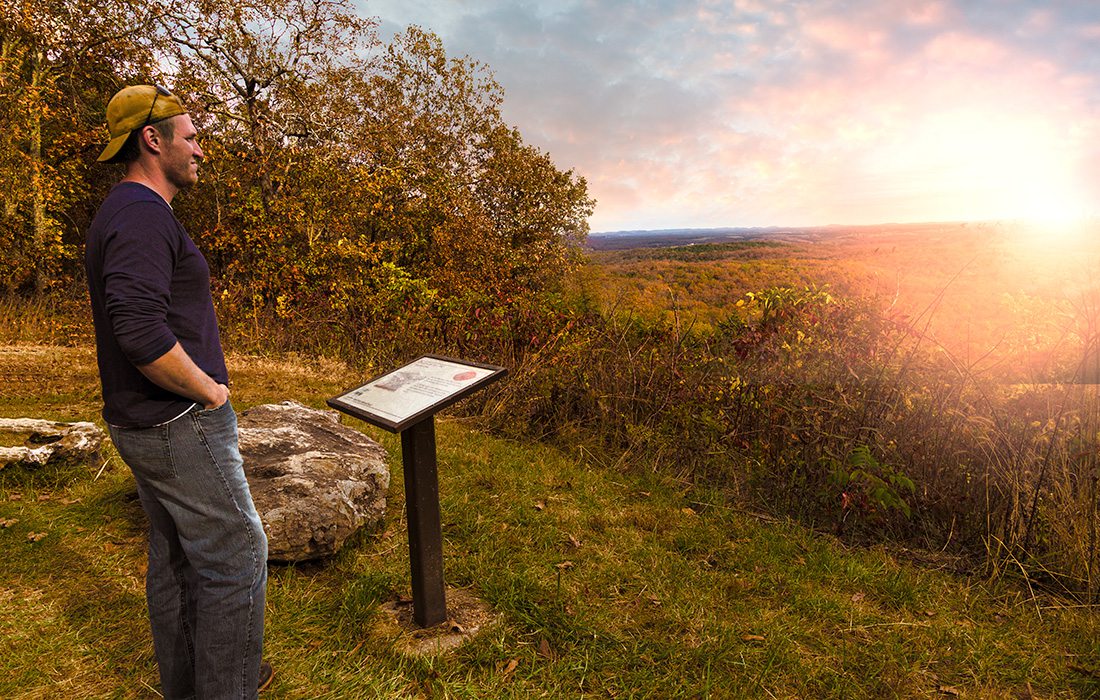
{"points": [[345, 183], [538, 213], [268, 74], [351, 186], [482, 202], [60, 60], [268, 80]]}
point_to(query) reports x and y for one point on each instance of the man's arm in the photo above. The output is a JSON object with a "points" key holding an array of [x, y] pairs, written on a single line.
{"points": [[178, 373]]}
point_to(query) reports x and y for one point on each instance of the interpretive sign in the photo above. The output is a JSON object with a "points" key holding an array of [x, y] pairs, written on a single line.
{"points": [[421, 388], [406, 401]]}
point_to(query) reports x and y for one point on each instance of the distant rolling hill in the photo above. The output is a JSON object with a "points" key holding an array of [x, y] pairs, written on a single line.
{"points": [[623, 240]]}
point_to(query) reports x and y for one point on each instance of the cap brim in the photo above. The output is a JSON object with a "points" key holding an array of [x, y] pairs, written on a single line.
{"points": [[113, 148]]}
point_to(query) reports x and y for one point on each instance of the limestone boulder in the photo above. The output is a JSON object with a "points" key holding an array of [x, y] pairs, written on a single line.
{"points": [[35, 442], [314, 481]]}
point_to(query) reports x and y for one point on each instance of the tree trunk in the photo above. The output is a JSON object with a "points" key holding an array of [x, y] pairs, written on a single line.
{"points": [[39, 239], [267, 191]]}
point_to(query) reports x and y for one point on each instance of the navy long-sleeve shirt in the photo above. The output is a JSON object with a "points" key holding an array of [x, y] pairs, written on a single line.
{"points": [[149, 288]]}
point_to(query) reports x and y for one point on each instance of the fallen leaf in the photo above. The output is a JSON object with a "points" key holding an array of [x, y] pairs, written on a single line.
{"points": [[858, 597], [45, 497], [540, 505], [506, 668], [545, 651], [574, 542], [564, 565], [69, 501], [35, 536], [457, 628], [7, 522], [687, 511], [15, 497], [948, 690], [752, 638]]}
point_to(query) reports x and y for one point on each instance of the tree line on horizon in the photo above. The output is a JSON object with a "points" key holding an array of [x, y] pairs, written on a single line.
{"points": [[346, 182]]}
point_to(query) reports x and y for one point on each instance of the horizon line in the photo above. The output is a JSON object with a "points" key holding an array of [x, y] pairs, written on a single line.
{"points": [[809, 227]]}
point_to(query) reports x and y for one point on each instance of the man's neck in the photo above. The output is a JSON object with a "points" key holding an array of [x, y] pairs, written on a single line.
{"points": [[138, 172]]}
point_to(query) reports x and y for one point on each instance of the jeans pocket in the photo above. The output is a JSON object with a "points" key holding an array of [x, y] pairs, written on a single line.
{"points": [[145, 450], [216, 426], [199, 411]]}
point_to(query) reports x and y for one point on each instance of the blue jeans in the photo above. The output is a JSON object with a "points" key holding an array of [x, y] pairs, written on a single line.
{"points": [[207, 574]]}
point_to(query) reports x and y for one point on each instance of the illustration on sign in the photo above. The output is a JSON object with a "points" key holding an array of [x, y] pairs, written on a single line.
{"points": [[414, 388]]}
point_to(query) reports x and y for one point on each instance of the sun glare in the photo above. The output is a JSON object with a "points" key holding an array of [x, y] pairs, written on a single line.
{"points": [[984, 164], [1045, 191], [1018, 169], [1052, 208]]}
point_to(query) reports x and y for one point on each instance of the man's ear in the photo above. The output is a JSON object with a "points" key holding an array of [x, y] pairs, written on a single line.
{"points": [[151, 138]]}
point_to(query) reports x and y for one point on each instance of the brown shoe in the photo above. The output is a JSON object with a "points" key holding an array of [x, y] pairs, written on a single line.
{"points": [[267, 674]]}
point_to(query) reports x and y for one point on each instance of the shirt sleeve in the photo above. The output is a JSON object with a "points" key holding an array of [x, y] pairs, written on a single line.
{"points": [[139, 255]]}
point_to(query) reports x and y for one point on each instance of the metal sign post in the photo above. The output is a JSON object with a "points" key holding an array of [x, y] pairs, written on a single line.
{"points": [[406, 401], [425, 532]]}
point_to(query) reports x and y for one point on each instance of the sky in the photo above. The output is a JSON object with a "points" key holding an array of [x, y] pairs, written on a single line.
{"points": [[707, 114]]}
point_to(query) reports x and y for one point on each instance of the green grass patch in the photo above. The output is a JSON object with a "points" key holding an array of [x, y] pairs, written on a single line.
{"points": [[609, 584]]}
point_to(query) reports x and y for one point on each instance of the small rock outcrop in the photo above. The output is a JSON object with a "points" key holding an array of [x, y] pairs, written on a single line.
{"points": [[46, 441], [314, 481]]}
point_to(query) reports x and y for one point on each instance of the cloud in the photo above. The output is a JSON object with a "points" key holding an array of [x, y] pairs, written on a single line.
{"points": [[711, 113]]}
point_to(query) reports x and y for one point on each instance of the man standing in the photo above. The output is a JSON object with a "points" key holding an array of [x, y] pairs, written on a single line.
{"points": [[166, 402]]}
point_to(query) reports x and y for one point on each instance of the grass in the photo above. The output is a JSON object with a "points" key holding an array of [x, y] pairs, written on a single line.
{"points": [[612, 583]]}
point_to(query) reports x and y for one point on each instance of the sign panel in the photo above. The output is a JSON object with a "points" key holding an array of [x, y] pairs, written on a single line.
{"points": [[419, 389]]}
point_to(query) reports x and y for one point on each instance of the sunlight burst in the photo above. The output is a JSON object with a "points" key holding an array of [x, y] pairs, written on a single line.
{"points": [[987, 165]]}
